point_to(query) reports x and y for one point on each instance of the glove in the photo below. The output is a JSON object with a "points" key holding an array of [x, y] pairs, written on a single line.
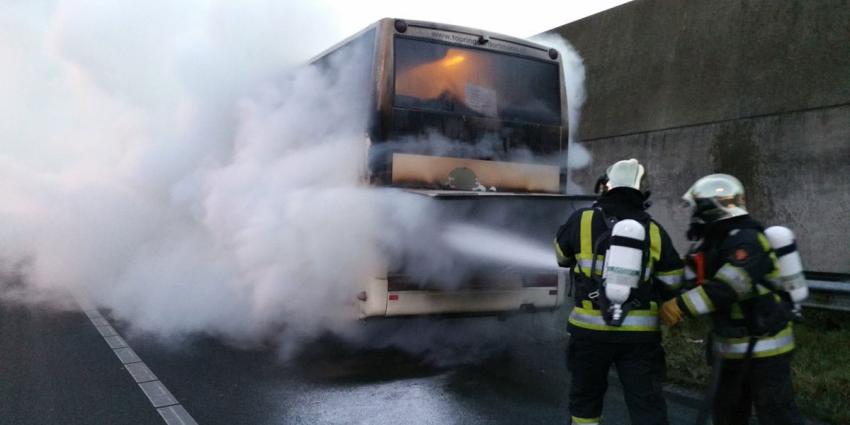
{"points": [[670, 313]]}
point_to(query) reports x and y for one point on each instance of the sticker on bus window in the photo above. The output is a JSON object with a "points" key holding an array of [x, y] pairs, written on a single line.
{"points": [[481, 99]]}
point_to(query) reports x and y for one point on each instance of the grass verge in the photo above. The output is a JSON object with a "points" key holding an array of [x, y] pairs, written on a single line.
{"points": [[820, 368]]}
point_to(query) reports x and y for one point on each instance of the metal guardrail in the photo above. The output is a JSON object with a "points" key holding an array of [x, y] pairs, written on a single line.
{"points": [[831, 294]]}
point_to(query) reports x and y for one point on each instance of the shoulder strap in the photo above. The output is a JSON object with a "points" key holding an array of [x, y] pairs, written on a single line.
{"points": [[585, 254], [609, 223], [654, 241]]}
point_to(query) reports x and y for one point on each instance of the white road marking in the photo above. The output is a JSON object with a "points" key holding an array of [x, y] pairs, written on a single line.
{"points": [[93, 314], [158, 394], [106, 331], [166, 405], [140, 372], [176, 415], [99, 321], [115, 341], [127, 355]]}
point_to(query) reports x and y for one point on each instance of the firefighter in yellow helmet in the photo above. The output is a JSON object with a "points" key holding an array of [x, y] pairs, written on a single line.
{"points": [[623, 265], [752, 339]]}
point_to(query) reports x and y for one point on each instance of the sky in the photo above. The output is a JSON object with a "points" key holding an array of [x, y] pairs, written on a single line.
{"points": [[534, 17]]}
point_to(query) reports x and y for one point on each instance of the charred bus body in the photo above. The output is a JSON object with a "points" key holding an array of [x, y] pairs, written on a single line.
{"points": [[475, 122]]}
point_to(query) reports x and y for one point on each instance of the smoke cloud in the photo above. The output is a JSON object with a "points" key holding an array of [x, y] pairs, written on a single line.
{"points": [[574, 75], [174, 164]]}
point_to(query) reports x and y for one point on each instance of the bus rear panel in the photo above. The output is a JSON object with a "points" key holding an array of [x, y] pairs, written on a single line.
{"points": [[475, 122]]}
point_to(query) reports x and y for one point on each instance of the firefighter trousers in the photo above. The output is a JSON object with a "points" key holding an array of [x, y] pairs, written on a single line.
{"points": [[641, 369], [764, 383]]}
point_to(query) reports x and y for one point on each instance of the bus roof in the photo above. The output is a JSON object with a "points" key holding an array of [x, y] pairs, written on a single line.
{"points": [[442, 27]]}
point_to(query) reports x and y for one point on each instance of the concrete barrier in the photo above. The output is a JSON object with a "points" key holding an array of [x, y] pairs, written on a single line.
{"points": [[759, 89]]}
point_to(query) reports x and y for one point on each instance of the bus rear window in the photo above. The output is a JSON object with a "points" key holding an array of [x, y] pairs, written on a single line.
{"points": [[441, 77]]}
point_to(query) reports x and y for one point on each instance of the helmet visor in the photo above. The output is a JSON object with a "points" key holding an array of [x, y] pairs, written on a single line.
{"points": [[716, 197]]}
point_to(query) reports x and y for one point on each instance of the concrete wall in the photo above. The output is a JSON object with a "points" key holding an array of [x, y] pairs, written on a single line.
{"points": [[759, 89]]}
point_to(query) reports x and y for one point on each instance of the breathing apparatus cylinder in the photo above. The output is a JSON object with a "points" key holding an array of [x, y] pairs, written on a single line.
{"points": [[791, 278], [623, 265]]}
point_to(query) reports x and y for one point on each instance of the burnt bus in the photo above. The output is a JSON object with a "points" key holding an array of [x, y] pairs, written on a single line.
{"points": [[476, 123]]}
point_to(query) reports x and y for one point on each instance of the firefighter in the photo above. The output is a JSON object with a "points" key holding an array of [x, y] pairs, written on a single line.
{"points": [[752, 339], [632, 341]]}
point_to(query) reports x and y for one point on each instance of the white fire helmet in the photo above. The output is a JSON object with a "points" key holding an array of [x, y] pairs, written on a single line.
{"points": [[626, 173], [716, 197]]}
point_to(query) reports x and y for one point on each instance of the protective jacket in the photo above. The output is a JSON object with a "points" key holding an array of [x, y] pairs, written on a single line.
{"points": [[739, 265], [574, 245]]}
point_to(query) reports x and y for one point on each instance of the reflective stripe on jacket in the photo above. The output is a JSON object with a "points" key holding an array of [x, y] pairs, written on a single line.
{"points": [[587, 317], [663, 269], [584, 258], [744, 263], [584, 315], [736, 348]]}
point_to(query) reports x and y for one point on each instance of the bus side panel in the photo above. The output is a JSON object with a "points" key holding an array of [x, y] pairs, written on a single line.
{"points": [[375, 303], [536, 218], [406, 303]]}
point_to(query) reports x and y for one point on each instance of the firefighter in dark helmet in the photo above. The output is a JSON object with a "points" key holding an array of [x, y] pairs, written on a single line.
{"points": [[752, 339], [615, 317]]}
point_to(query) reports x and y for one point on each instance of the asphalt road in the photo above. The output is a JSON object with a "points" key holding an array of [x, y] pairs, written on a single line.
{"points": [[57, 368]]}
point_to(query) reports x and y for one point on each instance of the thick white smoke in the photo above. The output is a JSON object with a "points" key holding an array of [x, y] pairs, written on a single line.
{"points": [[574, 75], [505, 248], [174, 164]]}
